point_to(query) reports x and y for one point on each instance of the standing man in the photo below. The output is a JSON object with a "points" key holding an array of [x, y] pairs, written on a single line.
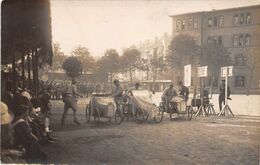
{"points": [[184, 91], [221, 98], [70, 101], [117, 93]]}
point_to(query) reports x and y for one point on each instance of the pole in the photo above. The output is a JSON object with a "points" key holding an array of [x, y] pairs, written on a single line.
{"points": [[226, 86]]}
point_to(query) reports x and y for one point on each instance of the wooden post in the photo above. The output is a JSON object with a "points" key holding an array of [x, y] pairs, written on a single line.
{"points": [[23, 73], [33, 71], [29, 69], [36, 73], [13, 73]]}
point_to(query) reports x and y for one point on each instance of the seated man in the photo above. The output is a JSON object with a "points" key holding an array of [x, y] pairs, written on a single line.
{"points": [[167, 96], [117, 93], [9, 152], [23, 136]]}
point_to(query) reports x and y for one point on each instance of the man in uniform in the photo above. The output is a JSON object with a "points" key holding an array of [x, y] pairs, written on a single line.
{"points": [[117, 93], [221, 98], [70, 101], [184, 91], [167, 95]]}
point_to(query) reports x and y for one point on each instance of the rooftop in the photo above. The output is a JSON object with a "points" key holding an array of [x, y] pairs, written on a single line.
{"points": [[216, 10]]}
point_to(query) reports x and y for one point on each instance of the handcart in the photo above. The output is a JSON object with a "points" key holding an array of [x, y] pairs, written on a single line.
{"points": [[102, 107], [139, 106], [178, 106]]}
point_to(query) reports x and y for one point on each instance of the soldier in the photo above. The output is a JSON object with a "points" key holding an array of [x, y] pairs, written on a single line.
{"points": [[184, 91], [70, 101], [221, 98], [117, 93], [167, 95]]}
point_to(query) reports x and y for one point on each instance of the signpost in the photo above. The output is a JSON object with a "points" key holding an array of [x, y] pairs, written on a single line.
{"points": [[187, 78], [226, 72], [202, 72], [187, 75]]}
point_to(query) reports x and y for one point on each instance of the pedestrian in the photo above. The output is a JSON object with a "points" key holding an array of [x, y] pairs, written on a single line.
{"points": [[221, 98], [70, 101]]}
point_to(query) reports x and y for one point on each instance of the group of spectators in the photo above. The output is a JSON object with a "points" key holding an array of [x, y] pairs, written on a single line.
{"points": [[56, 88], [25, 126]]}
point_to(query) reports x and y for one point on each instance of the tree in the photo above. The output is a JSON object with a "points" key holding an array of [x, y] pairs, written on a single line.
{"points": [[156, 64], [82, 53], [58, 57], [215, 56], [109, 64], [130, 61], [252, 62], [182, 51], [72, 66]]}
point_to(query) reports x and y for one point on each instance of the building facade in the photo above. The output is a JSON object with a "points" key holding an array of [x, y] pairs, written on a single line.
{"points": [[238, 30]]}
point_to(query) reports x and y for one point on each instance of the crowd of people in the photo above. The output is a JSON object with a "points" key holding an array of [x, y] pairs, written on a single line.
{"points": [[57, 88], [25, 126]]}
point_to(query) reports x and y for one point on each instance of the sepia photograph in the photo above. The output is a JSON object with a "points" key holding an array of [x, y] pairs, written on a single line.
{"points": [[130, 82]]}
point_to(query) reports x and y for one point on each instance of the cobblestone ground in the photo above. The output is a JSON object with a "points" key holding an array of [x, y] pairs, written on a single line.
{"points": [[203, 140]]}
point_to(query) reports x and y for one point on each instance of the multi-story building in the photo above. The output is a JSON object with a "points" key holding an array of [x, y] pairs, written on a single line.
{"points": [[238, 30]]}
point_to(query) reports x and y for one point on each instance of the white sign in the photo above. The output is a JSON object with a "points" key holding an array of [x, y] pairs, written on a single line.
{"points": [[187, 75], [226, 69], [203, 71]]}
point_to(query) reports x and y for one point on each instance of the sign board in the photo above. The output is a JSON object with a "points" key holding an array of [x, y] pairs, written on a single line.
{"points": [[203, 71], [187, 75], [227, 70]]}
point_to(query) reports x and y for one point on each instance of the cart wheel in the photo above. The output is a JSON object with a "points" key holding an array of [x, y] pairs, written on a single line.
{"points": [[88, 112], [189, 112], [159, 116], [139, 116], [118, 116], [170, 113]]}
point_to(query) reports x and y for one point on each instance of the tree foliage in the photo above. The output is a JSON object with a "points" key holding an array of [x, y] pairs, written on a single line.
{"points": [[182, 50], [58, 57], [130, 61], [82, 53], [108, 65], [72, 66], [215, 55]]}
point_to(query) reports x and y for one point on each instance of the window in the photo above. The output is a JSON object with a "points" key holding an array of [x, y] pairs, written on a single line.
{"points": [[221, 21], [236, 19], [183, 24], [178, 25], [247, 40], [248, 18], [240, 60], [235, 40], [209, 22], [215, 40], [220, 40], [241, 40], [209, 40], [190, 23], [240, 81], [195, 23], [241, 18], [215, 21]]}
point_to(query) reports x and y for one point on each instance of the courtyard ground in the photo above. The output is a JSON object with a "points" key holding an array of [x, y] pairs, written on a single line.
{"points": [[203, 140]]}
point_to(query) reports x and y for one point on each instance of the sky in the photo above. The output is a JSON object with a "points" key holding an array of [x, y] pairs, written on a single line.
{"points": [[100, 25]]}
